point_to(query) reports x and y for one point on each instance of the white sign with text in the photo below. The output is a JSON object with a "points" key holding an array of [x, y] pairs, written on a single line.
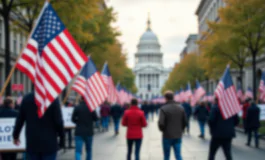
{"points": [[67, 117], [6, 138]]}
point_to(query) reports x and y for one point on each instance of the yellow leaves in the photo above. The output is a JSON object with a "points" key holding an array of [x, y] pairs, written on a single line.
{"points": [[188, 70]]}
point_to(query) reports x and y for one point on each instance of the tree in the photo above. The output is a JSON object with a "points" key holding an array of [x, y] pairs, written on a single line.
{"points": [[245, 20], [188, 70], [220, 48]]}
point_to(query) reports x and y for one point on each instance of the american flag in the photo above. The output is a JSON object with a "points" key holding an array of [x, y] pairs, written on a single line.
{"points": [[198, 93], [176, 96], [181, 95], [122, 95], [226, 94], [249, 93], [90, 85], [239, 93], [187, 93], [262, 87], [111, 89], [51, 58]]}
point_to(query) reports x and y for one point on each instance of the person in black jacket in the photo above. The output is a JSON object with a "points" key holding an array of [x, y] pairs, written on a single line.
{"points": [[7, 111], [202, 114], [222, 132], [253, 123], [83, 119], [116, 113], [41, 133]]}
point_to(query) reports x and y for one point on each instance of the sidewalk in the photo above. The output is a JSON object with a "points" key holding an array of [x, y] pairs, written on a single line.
{"points": [[110, 147]]}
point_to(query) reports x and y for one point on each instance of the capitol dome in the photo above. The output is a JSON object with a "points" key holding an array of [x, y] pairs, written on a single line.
{"points": [[149, 35]]}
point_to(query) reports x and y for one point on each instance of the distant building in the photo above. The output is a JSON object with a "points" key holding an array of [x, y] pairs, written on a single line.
{"points": [[207, 11], [149, 70], [191, 46]]}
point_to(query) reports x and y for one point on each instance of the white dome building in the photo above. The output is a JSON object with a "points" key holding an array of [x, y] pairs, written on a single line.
{"points": [[149, 70]]}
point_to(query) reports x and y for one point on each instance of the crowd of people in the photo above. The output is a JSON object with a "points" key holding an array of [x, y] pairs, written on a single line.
{"points": [[173, 121]]}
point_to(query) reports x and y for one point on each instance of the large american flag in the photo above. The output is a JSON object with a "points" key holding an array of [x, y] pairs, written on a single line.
{"points": [[262, 87], [226, 94], [51, 58], [111, 89], [90, 85]]}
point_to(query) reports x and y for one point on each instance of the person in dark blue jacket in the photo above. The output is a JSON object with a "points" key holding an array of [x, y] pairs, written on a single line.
{"points": [[7, 111], [188, 112], [145, 108], [253, 123], [41, 133], [222, 132], [116, 112], [202, 114]]}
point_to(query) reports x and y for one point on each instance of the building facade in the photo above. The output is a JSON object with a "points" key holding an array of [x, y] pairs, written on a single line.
{"points": [[17, 41], [191, 46], [149, 70]]}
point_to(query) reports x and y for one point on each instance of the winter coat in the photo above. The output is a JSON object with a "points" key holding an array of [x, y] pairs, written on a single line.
{"points": [[134, 120]]}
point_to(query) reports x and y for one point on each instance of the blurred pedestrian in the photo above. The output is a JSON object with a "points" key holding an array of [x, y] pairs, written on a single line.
{"points": [[68, 131], [83, 118], [201, 114], [172, 122], [105, 113], [253, 123], [222, 132], [8, 111], [116, 113], [188, 112], [145, 109], [152, 110], [246, 105], [41, 133], [134, 120]]}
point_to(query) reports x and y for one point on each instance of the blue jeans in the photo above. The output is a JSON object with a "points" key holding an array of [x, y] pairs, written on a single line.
{"points": [[79, 145], [146, 116], [41, 156], [116, 124], [105, 122], [138, 143], [202, 127], [176, 144]]}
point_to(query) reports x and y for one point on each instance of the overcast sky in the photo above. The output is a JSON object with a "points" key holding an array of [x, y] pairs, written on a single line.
{"points": [[171, 20]]}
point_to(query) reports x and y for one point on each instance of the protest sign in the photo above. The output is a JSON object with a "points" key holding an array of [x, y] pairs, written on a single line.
{"points": [[6, 138], [67, 117]]}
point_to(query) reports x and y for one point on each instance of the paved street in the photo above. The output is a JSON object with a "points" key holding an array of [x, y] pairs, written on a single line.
{"points": [[108, 147]]}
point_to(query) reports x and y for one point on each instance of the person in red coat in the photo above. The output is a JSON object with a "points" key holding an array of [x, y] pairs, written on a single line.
{"points": [[134, 120], [246, 105]]}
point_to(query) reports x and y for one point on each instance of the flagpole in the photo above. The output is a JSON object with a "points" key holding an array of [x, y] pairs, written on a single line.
{"points": [[14, 67]]}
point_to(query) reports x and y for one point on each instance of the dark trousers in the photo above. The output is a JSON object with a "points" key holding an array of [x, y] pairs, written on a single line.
{"points": [[41, 156], [225, 143], [9, 156], [116, 121], [245, 125], [68, 132], [137, 143], [255, 131]]}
